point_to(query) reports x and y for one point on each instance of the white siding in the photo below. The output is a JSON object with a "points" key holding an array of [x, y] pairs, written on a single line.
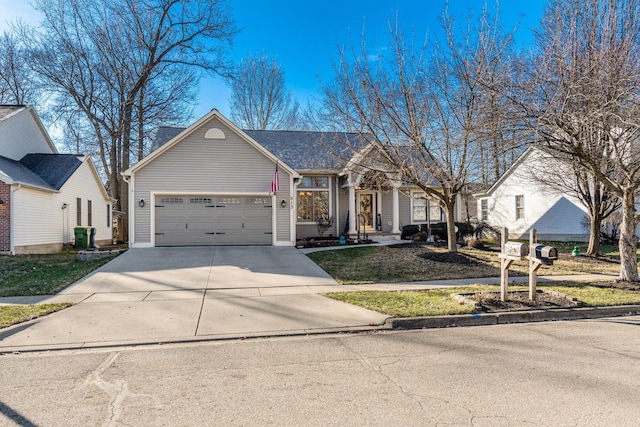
{"points": [[84, 185], [554, 216], [21, 135], [196, 165], [39, 218]]}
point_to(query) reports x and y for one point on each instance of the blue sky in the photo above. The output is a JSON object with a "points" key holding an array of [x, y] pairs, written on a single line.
{"points": [[305, 35]]}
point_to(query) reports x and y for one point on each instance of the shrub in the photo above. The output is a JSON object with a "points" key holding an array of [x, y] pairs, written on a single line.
{"points": [[438, 229], [485, 230], [409, 230], [472, 242], [323, 223]]}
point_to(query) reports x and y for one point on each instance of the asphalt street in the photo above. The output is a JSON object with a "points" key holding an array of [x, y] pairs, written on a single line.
{"points": [[578, 373]]}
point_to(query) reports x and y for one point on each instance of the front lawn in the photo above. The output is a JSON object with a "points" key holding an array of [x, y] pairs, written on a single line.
{"points": [[439, 302], [411, 262], [26, 275], [13, 314]]}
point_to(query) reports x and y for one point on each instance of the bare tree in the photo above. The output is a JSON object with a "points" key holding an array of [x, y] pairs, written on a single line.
{"points": [[113, 60], [558, 174], [259, 96], [423, 109], [18, 85], [584, 100]]}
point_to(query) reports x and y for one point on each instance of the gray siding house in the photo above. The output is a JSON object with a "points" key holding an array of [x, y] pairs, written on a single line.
{"points": [[211, 184]]}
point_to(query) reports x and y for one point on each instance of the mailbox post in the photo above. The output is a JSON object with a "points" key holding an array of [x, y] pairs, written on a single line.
{"points": [[536, 254], [510, 251], [539, 255], [505, 263], [534, 265]]}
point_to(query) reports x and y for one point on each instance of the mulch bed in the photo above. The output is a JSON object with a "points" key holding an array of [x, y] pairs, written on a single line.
{"points": [[451, 257], [490, 302], [322, 243]]}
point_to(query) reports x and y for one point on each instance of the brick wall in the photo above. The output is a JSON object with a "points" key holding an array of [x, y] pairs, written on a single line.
{"points": [[5, 217]]}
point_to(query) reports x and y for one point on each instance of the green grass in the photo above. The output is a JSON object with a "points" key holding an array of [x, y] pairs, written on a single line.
{"points": [[596, 296], [438, 302], [26, 275], [388, 264], [13, 314]]}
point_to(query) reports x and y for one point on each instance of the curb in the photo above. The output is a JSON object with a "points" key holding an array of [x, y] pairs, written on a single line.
{"points": [[483, 319]]}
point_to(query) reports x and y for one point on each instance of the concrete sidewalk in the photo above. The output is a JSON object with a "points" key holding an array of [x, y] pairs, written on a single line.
{"points": [[129, 303], [162, 295]]}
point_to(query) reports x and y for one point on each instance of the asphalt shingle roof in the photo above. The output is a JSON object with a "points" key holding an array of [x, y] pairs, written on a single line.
{"points": [[302, 150], [49, 171], [55, 169], [20, 173]]}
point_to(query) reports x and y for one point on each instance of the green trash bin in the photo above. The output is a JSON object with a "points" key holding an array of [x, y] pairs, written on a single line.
{"points": [[82, 237]]}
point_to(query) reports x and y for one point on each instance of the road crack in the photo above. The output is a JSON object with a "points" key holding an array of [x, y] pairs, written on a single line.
{"points": [[117, 390]]}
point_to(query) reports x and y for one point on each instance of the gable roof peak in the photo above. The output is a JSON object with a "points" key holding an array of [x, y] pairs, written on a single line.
{"points": [[9, 110]]}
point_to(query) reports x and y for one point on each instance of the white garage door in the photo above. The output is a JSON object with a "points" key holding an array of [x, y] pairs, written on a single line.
{"points": [[186, 220]]}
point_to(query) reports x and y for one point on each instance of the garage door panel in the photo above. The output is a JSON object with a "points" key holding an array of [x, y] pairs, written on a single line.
{"points": [[213, 220]]}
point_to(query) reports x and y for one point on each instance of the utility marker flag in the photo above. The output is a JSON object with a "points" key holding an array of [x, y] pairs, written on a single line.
{"points": [[275, 183]]}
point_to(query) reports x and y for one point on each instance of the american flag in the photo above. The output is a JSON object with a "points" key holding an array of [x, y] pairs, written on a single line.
{"points": [[275, 182]]}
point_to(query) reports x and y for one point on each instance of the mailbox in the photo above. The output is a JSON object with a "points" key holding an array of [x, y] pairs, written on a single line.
{"points": [[516, 250], [546, 254]]}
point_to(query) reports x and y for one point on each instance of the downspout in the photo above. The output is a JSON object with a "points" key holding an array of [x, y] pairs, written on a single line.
{"points": [[294, 209], [12, 222], [131, 213], [337, 216], [65, 223]]}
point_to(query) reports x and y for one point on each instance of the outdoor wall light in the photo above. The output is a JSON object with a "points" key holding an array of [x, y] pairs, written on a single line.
{"points": [[65, 206], [283, 203], [141, 203]]}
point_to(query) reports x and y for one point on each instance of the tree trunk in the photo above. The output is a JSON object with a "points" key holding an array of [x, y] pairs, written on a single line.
{"points": [[595, 223], [628, 243], [452, 241]]}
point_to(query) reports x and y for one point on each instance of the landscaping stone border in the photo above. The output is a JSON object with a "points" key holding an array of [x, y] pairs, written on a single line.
{"points": [[96, 254]]}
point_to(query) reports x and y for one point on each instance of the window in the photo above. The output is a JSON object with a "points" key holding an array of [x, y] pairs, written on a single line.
{"points": [[421, 207], [89, 219], [419, 210], [484, 210], [313, 198], [200, 201], [435, 212], [171, 201], [520, 207], [78, 212], [108, 216]]}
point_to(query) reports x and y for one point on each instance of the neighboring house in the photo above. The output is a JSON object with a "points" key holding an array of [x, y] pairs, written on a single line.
{"points": [[517, 201], [44, 194], [210, 184]]}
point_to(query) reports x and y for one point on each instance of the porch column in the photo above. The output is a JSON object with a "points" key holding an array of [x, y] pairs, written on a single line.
{"points": [[352, 210], [396, 211]]}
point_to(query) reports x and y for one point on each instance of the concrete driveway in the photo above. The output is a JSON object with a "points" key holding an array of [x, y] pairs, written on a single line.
{"points": [[181, 294]]}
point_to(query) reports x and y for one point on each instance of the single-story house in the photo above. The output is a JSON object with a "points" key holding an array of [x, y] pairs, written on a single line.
{"points": [[215, 184], [520, 202], [44, 195]]}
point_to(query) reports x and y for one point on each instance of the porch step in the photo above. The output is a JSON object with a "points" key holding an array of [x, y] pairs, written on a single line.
{"points": [[380, 237]]}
